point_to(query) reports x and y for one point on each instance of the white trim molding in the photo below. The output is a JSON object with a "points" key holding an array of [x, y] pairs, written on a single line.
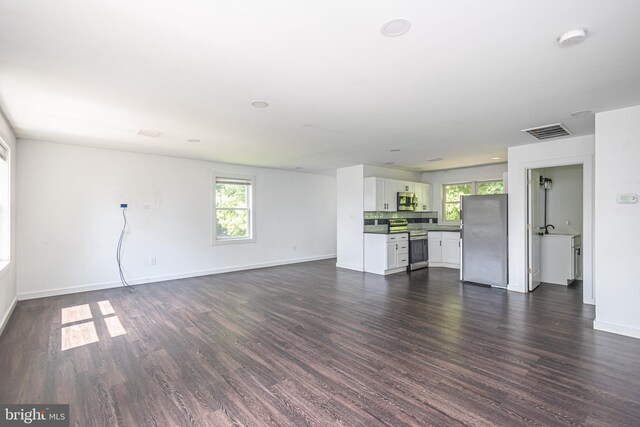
{"points": [[157, 279], [7, 315], [616, 329], [350, 266]]}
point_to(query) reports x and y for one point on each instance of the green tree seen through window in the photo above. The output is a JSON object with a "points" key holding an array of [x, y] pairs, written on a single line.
{"points": [[452, 195], [233, 208], [490, 187]]}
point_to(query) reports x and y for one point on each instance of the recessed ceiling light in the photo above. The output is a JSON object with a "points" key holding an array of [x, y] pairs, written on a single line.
{"points": [[395, 27], [394, 150], [582, 113], [572, 37], [388, 163], [260, 104], [147, 132], [435, 159], [193, 140], [496, 158]]}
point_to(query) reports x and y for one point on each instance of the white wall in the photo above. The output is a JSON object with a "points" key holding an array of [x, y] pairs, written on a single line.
{"points": [[70, 219], [479, 173], [564, 199], [578, 150], [8, 290], [350, 217], [617, 225], [400, 175]]}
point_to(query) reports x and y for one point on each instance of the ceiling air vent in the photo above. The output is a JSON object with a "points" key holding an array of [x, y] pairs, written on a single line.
{"points": [[146, 132], [556, 130]]}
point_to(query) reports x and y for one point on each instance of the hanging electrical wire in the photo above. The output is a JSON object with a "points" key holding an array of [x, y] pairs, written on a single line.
{"points": [[119, 251]]}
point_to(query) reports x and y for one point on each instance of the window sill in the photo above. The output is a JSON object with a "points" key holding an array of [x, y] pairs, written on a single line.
{"points": [[232, 241]]}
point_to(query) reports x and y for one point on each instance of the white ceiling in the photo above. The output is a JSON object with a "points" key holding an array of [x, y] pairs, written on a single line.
{"points": [[460, 85]]}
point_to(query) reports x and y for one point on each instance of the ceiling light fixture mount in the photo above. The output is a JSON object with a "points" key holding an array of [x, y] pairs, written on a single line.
{"points": [[572, 37], [583, 113], [395, 28], [147, 132], [260, 104]]}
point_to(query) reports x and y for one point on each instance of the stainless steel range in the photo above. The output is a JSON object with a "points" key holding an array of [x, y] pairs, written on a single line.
{"points": [[418, 250], [398, 225]]}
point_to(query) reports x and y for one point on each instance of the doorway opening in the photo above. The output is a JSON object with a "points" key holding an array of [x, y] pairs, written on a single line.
{"points": [[555, 226]]}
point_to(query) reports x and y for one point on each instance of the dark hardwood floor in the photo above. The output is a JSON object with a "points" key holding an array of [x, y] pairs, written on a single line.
{"points": [[309, 344]]}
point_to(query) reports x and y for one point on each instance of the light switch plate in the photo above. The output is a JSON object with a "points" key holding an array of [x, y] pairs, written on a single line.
{"points": [[626, 199]]}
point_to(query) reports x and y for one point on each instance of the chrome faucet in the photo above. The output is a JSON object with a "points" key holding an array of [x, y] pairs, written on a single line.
{"points": [[546, 228]]}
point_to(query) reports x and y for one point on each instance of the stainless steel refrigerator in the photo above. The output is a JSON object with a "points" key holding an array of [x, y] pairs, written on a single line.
{"points": [[484, 240]]}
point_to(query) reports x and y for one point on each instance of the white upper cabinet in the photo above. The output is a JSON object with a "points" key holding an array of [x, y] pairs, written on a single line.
{"points": [[423, 196], [408, 187], [380, 194]]}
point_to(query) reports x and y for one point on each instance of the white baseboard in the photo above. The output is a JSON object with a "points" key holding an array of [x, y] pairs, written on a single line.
{"points": [[153, 279], [517, 288], [7, 315], [350, 266], [444, 264], [616, 329]]}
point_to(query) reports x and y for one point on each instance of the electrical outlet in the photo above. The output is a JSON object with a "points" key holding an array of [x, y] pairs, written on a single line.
{"points": [[152, 261]]}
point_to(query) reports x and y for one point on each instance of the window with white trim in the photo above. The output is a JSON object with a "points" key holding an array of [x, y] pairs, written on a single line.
{"points": [[451, 194], [5, 202], [233, 210]]}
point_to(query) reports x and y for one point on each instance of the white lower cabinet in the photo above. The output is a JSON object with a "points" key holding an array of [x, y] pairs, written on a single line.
{"points": [[434, 244], [386, 253], [444, 249], [561, 258]]}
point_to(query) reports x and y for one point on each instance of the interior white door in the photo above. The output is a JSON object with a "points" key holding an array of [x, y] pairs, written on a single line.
{"points": [[533, 227]]}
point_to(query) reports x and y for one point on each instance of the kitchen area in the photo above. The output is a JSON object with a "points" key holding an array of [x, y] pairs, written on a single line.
{"points": [[392, 222], [401, 229]]}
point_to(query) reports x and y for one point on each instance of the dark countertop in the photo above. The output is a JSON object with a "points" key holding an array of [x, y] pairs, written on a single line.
{"points": [[409, 231], [385, 232]]}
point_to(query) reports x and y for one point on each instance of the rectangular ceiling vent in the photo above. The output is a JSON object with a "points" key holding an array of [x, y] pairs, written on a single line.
{"points": [[541, 133], [146, 132]]}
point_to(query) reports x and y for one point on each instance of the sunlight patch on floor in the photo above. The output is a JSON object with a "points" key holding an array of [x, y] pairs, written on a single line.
{"points": [[105, 307], [114, 326], [76, 313], [78, 335]]}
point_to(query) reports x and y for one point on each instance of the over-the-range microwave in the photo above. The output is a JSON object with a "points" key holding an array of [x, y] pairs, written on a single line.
{"points": [[407, 201]]}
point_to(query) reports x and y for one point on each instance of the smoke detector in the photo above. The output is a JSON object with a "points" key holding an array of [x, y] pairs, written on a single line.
{"points": [[572, 37], [395, 28], [151, 133]]}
